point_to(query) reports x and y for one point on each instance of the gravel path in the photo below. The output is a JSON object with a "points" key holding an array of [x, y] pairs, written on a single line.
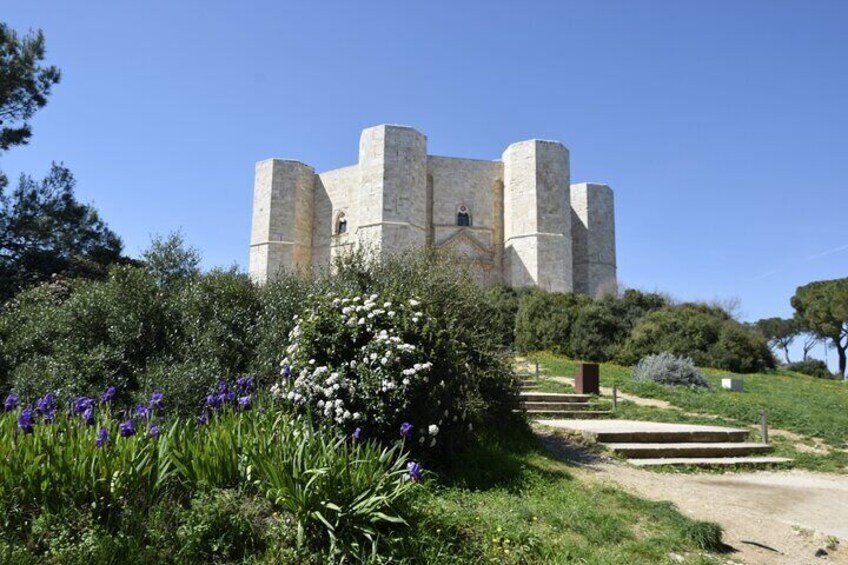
{"points": [[769, 517]]}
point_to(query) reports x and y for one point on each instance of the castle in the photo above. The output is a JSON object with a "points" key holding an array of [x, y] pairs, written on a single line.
{"points": [[517, 221]]}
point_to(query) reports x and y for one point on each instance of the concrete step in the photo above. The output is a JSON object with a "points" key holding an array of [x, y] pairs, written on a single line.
{"points": [[635, 431], [533, 396], [711, 461], [568, 414], [684, 450], [563, 405]]}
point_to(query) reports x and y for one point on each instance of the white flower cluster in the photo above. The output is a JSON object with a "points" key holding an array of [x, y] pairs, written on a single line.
{"points": [[368, 373]]}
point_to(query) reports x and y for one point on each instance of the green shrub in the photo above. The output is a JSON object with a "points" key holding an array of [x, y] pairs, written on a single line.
{"points": [[708, 335], [221, 525], [812, 367], [544, 321], [667, 369], [504, 301]]}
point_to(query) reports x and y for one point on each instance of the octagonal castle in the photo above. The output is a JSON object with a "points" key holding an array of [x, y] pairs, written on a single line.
{"points": [[518, 220]]}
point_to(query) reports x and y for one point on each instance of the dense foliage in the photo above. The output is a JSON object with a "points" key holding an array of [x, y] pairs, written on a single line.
{"points": [[631, 326], [665, 368], [811, 367]]}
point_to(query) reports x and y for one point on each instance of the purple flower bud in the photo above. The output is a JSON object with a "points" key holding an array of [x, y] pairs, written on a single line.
{"points": [[406, 430], [142, 412], [102, 437], [82, 404], [46, 403], [357, 433], [88, 416], [154, 431], [127, 428], [244, 403], [50, 416], [203, 419], [25, 421], [156, 401], [110, 393], [11, 402], [245, 384], [287, 371], [414, 470]]}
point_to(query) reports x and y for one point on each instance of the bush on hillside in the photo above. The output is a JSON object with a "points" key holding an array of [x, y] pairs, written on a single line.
{"points": [[545, 320], [504, 301], [667, 369], [706, 334], [602, 326], [812, 367]]}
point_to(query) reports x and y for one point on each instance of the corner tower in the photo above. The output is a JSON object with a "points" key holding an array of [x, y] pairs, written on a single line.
{"points": [[593, 236], [393, 188], [537, 216], [281, 234]]}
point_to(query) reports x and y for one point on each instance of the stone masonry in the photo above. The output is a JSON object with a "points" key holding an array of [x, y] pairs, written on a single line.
{"points": [[517, 221]]}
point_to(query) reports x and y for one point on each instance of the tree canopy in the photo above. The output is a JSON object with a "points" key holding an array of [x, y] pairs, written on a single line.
{"points": [[821, 308], [24, 84], [780, 333], [45, 231]]}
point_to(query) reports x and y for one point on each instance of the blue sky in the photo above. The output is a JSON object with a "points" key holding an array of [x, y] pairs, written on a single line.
{"points": [[720, 125]]}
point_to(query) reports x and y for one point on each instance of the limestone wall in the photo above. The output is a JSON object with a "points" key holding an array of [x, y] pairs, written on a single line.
{"points": [[336, 192]]}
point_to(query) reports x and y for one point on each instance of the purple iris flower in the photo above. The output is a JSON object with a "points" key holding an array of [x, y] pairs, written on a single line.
{"points": [[156, 401], [127, 428], [102, 437], [245, 383], [203, 419], [406, 430], [110, 393], [287, 371], [50, 416], [244, 403], [11, 402], [357, 433], [82, 404], [414, 469], [214, 401], [88, 416], [142, 411], [25, 421], [46, 403], [154, 431], [229, 396], [222, 386]]}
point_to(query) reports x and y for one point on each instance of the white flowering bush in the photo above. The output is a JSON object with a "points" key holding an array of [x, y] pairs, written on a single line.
{"points": [[378, 368]]}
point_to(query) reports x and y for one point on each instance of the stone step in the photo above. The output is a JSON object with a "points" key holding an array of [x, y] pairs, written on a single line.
{"points": [[568, 414], [684, 450], [562, 405], [635, 431], [711, 461], [533, 396]]}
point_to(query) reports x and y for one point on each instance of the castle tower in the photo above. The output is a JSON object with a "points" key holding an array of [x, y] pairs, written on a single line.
{"points": [[537, 216], [593, 236], [281, 235], [393, 188]]}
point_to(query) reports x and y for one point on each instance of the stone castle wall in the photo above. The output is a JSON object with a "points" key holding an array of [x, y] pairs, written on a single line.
{"points": [[528, 225]]}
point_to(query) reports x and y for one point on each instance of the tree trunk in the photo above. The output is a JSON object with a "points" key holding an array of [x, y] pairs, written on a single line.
{"points": [[786, 354], [840, 352]]}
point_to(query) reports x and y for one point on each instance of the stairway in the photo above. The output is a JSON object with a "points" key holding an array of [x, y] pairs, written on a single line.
{"points": [[559, 405], [650, 444]]}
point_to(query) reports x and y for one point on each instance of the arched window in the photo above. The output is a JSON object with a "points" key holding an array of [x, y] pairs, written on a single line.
{"points": [[463, 218], [341, 224]]}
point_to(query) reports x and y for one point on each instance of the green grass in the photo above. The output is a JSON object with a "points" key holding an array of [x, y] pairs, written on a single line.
{"points": [[512, 502]]}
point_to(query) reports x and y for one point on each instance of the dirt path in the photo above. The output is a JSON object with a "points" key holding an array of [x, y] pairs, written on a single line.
{"points": [[771, 517]]}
